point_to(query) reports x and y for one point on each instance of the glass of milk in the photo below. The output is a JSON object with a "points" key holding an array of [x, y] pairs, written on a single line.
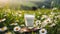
{"points": [[29, 20]]}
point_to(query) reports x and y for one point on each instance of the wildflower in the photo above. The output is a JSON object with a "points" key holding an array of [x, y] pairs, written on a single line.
{"points": [[49, 20], [17, 28], [34, 25], [58, 15], [43, 31], [3, 29], [14, 14], [8, 33], [0, 29], [20, 15], [38, 22], [22, 25], [14, 24], [1, 20], [51, 16], [44, 16], [45, 22], [19, 12], [52, 25], [52, 13], [17, 20], [55, 21]]}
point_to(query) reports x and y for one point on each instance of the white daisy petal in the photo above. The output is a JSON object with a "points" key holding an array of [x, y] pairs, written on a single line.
{"points": [[38, 22], [3, 29], [52, 25], [44, 16], [17, 28], [3, 19], [43, 31], [0, 29], [14, 24]]}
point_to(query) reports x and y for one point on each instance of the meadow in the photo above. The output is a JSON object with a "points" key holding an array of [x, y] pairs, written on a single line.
{"points": [[48, 19]]}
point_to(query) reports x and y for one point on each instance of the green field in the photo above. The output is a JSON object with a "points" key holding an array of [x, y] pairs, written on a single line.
{"points": [[17, 16]]}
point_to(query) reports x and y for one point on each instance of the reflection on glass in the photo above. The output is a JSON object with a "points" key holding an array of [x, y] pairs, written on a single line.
{"points": [[29, 20]]}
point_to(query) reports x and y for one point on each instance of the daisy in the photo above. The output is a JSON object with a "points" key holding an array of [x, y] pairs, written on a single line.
{"points": [[45, 22], [52, 25], [58, 15], [49, 20], [44, 16], [22, 25], [38, 22], [1, 20], [43, 31], [3, 29], [20, 15], [17, 28], [55, 21], [14, 24], [14, 14], [0, 30], [17, 20], [8, 33], [53, 13], [19, 12]]}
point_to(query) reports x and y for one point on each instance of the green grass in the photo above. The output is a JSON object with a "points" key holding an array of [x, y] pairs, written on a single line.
{"points": [[12, 16]]}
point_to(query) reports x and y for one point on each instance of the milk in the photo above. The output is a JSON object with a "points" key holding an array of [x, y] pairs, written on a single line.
{"points": [[29, 20]]}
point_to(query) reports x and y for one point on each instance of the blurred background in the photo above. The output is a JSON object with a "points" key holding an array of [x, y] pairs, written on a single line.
{"points": [[28, 4]]}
